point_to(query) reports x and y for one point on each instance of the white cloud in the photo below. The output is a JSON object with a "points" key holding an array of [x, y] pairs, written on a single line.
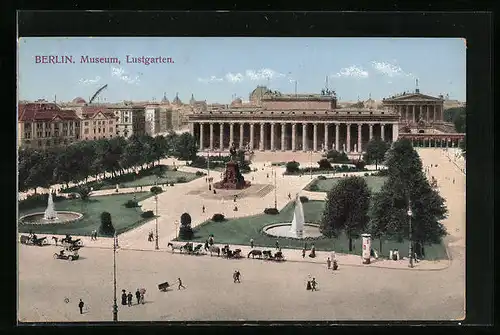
{"points": [[212, 79], [89, 81], [263, 74], [120, 74], [352, 71], [390, 70], [234, 78], [253, 75]]}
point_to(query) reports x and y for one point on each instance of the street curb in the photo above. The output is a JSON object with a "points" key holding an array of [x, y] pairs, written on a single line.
{"points": [[373, 266]]}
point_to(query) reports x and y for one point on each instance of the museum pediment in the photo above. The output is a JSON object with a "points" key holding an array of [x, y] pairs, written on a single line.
{"points": [[414, 97]]}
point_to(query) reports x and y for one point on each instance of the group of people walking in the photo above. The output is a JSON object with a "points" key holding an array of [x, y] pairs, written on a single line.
{"points": [[127, 298]]}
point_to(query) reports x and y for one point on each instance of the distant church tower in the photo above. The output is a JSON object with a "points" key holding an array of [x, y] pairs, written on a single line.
{"points": [[416, 86], [192, 100]]}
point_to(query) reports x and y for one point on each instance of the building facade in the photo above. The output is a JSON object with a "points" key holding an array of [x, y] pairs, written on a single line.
{"points": [[97, 123], [273, 121], [416, 108], [130, 119], [42, 125]]}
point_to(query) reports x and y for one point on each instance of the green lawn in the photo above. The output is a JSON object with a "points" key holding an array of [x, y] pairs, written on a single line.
{"points": [[123, 218], [374, 183], [241, 230], [129, 180]]}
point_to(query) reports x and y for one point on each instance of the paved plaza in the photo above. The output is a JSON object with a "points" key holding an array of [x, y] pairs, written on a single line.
{"points": [[384, 290]]}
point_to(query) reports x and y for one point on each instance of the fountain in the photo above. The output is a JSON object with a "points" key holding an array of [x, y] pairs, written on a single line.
{"points": [[298, 228], [50, 212], [50, 216]]}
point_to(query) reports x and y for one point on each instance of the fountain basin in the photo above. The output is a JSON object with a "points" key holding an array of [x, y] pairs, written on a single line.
{"points": [[63, 217], [310, 230]]}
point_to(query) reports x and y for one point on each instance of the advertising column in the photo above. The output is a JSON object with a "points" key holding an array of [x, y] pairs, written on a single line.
{"points": [[367, 247]]}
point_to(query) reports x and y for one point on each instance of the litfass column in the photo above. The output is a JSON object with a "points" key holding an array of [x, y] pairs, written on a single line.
{"points": [[367, 247]]}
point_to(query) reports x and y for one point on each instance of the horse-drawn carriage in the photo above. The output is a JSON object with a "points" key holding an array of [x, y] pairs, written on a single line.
{"points": [[228, 253], [278, 256], [186, 248], [70, 257], [71, 244], [33, 240]]}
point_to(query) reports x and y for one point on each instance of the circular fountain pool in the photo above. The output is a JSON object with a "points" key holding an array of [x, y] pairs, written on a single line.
{"points": [[284, 230], [62, 217]]}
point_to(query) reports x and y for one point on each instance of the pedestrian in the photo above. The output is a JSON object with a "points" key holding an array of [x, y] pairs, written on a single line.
{"points": [[289, 196], [203, 208], [129, 299], [95, 234], [138, 296], [124, 298], [304, 253], [277, 244], [329, 263], [251, 243], [80, 305], [453, 180], [142, 297], [313, 285], [180, 283]]}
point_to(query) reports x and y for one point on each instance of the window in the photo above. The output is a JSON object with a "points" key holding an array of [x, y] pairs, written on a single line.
{"points": [[99, 130], [359, 112], [111, 129], [94, 138], [27, 135], [86, 131], [94, 130], [126, 119], [110, 121], [95, 123], [39, 143], [27, 126]]}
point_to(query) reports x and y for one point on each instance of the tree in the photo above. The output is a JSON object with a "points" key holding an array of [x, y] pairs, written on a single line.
{"points": [[375, 151], [185, 219], [292, 167], [457, 116], [337, 157], [346, 208], [325, 164], [185, 231], [185, 147], [407, 186], [106, 228]]}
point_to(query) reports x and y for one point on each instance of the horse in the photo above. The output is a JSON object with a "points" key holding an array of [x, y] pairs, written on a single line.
{"points": [[214, 249], [55, 239], [278, 256], [175, 246], [188, 247], [197, 249], [237, 253], [267, 254], [255, 253]]}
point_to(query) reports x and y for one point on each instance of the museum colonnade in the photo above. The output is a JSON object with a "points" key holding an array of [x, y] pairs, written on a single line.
{"points": [[295, 136], [413, 113]]}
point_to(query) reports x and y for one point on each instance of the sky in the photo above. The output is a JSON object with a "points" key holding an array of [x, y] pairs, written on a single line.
{"points": [[220, 69]]}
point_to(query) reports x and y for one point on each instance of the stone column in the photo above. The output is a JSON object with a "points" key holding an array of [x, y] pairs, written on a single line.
{"points": [[191, 129], [326, 137], [427, 113], [359, 137], [304, 137], [261, 144], [221, 136], [252, 130], [231, 134], [241, 134], [371, 130], [382, 131], [272, 136], [395, 132], [211, 136], [283, 129], [315, 137], [348, 145], [413, 114], [201, 136], [434, 113], [337, 137], [294, 131]]}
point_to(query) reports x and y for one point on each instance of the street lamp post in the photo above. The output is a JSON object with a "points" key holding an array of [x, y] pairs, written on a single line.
{"points": [[115, 306], [275, 190], [410, 213], [156, 222], [176, 223], [310, 164], [208, 163]]}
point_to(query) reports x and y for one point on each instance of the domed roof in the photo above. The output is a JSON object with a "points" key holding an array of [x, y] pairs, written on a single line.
{"points": [[237, 102], [177, 101], [79, 100], [259, 92]]}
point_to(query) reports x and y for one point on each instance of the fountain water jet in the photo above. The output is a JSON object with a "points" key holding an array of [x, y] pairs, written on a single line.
{"points": [[298, 228], [50, 212]]}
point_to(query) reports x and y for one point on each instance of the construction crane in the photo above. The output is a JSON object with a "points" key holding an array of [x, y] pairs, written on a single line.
{"points": [[97, 93]]}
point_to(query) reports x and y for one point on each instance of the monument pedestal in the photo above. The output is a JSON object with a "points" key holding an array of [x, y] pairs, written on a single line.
{"points": [[233, 179]]}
